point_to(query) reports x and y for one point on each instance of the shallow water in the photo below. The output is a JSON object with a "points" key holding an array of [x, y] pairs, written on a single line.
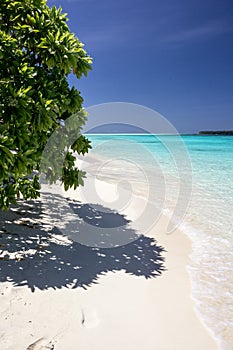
{"points": [[192, 178]]}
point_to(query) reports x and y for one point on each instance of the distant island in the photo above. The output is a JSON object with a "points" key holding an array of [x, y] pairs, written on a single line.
{"points": [[216, 132]]}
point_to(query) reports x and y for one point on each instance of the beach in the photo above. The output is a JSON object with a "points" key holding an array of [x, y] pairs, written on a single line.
{"points": [[116, 191], [109, 265], [114, 307]]}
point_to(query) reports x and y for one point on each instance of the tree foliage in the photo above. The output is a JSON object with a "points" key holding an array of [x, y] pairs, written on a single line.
{"points": [[37, 53]]}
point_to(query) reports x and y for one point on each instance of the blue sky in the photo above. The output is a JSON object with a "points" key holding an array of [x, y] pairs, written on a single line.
{"points": [[175, 57]]}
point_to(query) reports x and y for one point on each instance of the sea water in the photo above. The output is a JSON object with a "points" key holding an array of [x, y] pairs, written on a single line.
{"points": [[199, 171]]}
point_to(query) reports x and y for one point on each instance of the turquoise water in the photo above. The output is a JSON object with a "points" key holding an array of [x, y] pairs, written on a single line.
{"points": [[191, 175]]}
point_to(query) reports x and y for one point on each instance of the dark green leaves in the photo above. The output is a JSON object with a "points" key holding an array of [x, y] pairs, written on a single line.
{"points": [[37, 52]]}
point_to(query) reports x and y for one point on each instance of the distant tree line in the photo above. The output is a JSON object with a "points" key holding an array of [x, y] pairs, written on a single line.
{"points": [[222, 132]]}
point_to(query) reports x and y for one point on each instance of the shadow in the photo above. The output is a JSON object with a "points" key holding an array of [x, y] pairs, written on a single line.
{"points": [[35, 249]]}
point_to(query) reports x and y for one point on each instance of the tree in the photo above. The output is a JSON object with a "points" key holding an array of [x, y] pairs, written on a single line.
{"points": [[37, 53]]}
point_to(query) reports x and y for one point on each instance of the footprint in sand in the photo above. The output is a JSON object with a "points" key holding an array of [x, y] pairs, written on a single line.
{"points": [[89, 318], [41, 344]]}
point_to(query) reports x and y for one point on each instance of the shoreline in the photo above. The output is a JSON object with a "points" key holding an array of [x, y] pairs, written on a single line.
{"points": [[211, 283], [178, 247], [119, 310]]}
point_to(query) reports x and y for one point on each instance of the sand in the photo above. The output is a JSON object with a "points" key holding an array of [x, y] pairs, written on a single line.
{"points": [[56, 294]]}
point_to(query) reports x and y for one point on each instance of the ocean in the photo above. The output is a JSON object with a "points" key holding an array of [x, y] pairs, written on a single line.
{"points": [[189, 178]]}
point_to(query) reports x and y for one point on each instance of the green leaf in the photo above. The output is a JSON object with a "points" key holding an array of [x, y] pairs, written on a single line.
{"points": [[37, 53]]}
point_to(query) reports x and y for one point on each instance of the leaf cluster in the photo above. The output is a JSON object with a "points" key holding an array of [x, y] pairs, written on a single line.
{"points": [[37, 53]]}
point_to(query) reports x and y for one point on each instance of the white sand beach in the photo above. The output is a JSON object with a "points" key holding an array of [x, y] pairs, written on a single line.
{"points": [[62, 295]]}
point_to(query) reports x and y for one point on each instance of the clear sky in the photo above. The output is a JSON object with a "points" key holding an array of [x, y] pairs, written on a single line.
{"points": [[174, 56]]}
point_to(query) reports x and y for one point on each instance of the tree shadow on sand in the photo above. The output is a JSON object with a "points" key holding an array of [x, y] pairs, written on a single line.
{"points": [[63, 243]]}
